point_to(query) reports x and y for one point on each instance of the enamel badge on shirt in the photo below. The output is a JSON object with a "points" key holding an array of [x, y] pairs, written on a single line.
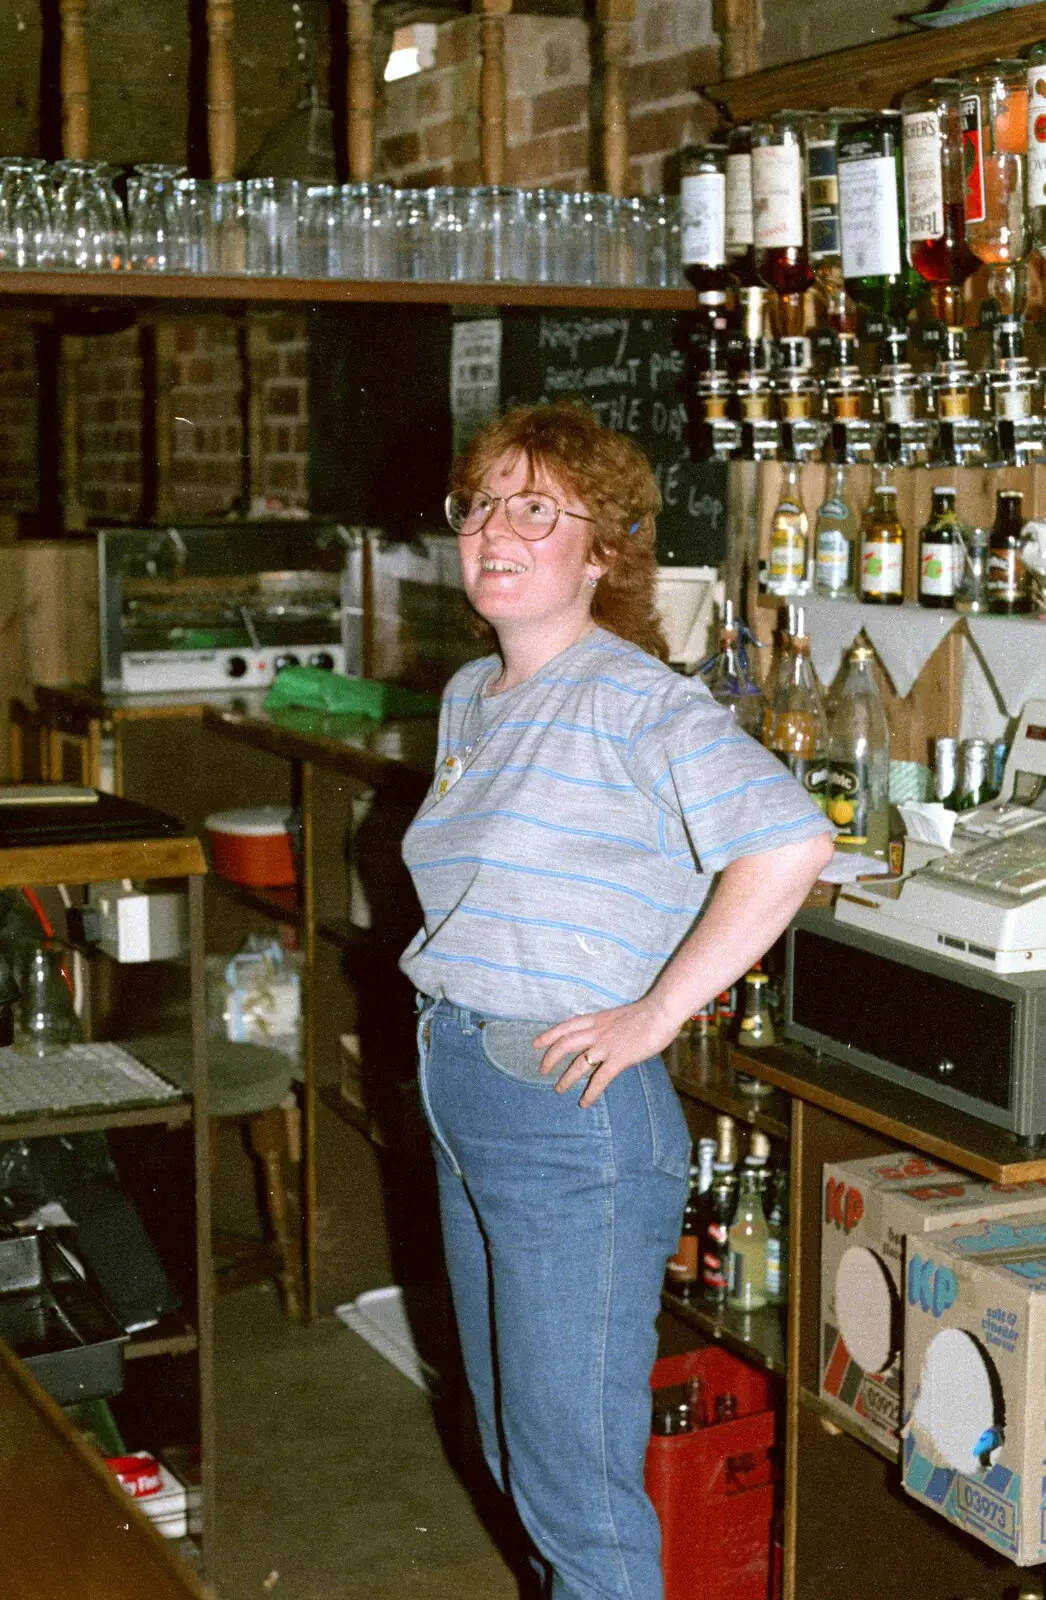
{"points": [[450, 772]]}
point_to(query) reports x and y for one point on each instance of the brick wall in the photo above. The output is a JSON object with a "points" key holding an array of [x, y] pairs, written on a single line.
{"points": [[280, 368], [110, 385], [17, 419], [206, 407], [428, 126]]}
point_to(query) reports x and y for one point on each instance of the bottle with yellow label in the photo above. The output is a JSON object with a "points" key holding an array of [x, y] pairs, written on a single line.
{"points": [[858, 780]]}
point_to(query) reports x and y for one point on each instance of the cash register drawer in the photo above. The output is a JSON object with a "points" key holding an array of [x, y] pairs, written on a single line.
{"points": [[971, 1039]]}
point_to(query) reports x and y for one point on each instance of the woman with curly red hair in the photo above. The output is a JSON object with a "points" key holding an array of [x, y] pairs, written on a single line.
{"points": [[602, 851]]}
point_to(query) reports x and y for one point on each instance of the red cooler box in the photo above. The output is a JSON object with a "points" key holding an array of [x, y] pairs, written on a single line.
{"points": [[713, 1487]]}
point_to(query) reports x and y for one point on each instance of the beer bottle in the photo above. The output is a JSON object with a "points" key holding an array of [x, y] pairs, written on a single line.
{"points": [[973, 774], [747, 1244], [789, 539], [777, 1238], [882, 550], [835, 540], [1007, 578], [938, 544], [715, 1246], [682, 1275]]}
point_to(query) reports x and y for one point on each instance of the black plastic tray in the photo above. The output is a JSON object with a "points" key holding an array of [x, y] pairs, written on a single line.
{"points": [[55, 1324]]}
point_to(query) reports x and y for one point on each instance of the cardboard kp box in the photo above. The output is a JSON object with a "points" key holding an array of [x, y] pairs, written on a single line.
{"points": [[868, 1207], [974, 1389]]}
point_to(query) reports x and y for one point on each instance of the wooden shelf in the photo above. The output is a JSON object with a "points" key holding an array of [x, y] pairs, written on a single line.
{"points": [[758, 1336], [130, 288], [177, 1114], [842, 1424], [101, 862], [875, 74]]}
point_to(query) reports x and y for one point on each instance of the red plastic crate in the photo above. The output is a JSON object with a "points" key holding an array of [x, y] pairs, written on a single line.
{"points": [[713, 1487]]}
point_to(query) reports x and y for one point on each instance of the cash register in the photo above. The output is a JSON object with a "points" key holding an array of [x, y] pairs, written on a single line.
{"points": [[937, 980]]}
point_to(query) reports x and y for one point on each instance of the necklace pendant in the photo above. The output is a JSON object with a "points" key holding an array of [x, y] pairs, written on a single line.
{"points": [[449, 774]]}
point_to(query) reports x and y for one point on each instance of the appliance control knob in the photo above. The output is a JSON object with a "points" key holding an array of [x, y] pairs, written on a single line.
{"points": [[287, 660], [945, 1068], [236, 667], [324, 659]]}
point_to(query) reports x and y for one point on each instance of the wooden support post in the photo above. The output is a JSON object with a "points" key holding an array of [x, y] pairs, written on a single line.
{"points": [[74, 516], [614, 18], [492, 14], [740, 27], [360, 33], [75, 78], [221, 89]]}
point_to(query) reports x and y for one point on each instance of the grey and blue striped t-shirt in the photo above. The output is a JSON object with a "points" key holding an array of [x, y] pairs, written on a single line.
{"points": [[574, 827]]}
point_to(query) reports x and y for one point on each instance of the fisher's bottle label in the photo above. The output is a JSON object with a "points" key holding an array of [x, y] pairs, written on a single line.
{"points": [[923, 187]]}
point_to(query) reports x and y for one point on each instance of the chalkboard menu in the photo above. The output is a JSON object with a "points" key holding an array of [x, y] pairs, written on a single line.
{"points": [[627, 366], [384, 381]]}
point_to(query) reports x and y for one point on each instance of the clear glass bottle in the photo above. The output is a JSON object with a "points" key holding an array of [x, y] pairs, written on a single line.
{"points": [[747, 1244], [875, 268], [683, 1275], [835, 541], [882, 550], [782, 259], [756, 1029], [995, 132], [702, 231], [789, 539], [946, 771], [935, 192], [858, 784], [799, 732], [777, 1238], [780, 656], [740, 235], [1007, 585], [939, 546], [730, 680]]}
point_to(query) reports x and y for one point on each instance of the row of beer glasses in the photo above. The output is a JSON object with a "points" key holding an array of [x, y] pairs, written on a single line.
{"points": [[72, 215]]}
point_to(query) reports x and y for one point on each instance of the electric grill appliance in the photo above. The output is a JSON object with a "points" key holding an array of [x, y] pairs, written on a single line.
{"points": [[187, 608]]}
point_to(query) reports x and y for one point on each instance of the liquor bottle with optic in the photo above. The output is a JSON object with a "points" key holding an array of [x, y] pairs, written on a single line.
{"points": [[702, 227], [1036, 180], [824, 220], [995, 136], [782, 258], [876, 270], [740, 236], [935, 193]]}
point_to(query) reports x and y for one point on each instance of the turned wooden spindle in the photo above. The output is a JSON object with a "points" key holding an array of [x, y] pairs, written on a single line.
{"points": [[739, 24], [614, 18], [221, 88], [360, 32], [492, 14], [75, 78]]}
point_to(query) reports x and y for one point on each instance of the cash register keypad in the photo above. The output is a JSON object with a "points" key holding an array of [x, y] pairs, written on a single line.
{"points": [[1015, 866]]}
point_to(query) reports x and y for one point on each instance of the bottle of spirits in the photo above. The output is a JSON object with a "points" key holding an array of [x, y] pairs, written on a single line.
{"points": [[882, 550], [875, 266], [747, 1240], [995, 133], [782, 259], [940, 550], [1007, 585], [702, 228], [740, 247], [777, 1238], [683, 1274], [1035, 66], [823, 218], [715, 1249], [935, 193], [799, 734], [857, 789], [835, 541], [730, 681], [789, 539]]}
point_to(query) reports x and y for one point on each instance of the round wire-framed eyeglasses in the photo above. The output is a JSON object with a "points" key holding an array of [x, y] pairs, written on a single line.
{"points": [[531, 513]]}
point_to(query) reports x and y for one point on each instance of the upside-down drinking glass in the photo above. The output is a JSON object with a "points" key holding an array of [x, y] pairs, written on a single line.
{"points": [[26, 237], [155, 217]]}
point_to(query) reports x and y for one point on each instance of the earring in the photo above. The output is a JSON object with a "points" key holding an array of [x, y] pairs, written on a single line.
{"points": [[592, 582]]}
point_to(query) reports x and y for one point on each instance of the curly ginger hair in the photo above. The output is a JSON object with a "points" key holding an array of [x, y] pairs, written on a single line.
{"points": [[566, 446]]}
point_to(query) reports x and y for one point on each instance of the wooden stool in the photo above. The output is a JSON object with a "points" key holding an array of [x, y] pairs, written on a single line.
{"points": [[249, 1087]]}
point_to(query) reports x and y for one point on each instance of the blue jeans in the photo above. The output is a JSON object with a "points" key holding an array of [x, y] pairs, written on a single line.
{"points": [[557, 1224]]}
